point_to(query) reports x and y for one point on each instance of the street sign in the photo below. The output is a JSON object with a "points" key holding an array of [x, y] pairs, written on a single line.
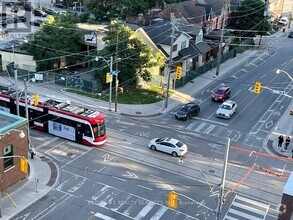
{"points": [[115, 72], [278, 92]]}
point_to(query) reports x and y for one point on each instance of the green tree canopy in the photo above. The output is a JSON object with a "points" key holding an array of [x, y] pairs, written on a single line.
{"points": [[252, 18], [133, 55], [52, 41]]}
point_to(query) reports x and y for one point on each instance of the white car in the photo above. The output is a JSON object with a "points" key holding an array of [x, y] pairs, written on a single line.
{"points": [[226, 109], [284, 21], [168, 145]]}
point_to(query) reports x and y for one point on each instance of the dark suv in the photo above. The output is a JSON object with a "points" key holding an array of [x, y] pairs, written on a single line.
{"points": [[187, 111], [221, 94]]}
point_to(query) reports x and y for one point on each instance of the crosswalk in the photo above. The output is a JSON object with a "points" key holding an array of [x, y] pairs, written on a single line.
{"points": [[243, 208], [123, 204], [214, 130]]}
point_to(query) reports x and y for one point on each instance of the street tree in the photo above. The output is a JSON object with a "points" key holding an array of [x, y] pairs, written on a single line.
{"points": [[54, 41], [132, 56], [252, 18]]}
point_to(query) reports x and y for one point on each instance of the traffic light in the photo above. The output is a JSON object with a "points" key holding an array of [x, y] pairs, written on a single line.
{"points": [[36, 99], [178, 72], [23, 164], [257, 87], [108, 77], [172, 200]]}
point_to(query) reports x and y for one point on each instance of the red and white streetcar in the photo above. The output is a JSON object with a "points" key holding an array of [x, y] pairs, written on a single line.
{"points": [[59, 118]]}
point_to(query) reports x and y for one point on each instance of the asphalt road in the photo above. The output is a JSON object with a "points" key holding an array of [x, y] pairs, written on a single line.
{"points": [[95, 181]]}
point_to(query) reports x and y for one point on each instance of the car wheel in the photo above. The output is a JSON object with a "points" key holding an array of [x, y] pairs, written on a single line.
{"points": [[153, 147], [197, 112], [174, 154]]}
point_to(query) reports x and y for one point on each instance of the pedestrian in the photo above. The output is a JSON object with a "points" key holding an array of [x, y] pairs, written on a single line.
{"points": [[292, 153], [33, 152], [287, 142], [280, 141]]}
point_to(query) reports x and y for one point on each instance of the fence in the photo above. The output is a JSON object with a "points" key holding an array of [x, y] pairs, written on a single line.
{"points": [[65, 80], [211, 65]]}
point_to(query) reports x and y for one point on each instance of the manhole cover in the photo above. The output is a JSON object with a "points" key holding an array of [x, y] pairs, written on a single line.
{"points": [[211, 171], [138, 113]]}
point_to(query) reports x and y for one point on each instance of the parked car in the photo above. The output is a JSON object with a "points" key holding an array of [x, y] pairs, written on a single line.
{"points": [[40, 13], [64, 13], [60, 5], [284, 21], [187, 111], [168, 145], [226, 109], [51, 11], [290, 34], [221, 94], [291, 112], [36, 22]]}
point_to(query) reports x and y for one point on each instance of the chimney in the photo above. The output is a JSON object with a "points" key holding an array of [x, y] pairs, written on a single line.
{"points": [[192, 3]]}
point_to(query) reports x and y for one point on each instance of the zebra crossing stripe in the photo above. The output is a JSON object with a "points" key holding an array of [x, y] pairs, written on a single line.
{"points": [[200, 127], [245, 215], [159, 213], [242, 207], [145, 210]]}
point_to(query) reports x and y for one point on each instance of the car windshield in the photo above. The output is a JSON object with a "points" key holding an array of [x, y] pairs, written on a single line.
{"points": [[159, 140], [184, 108], [228, 107], [220, 92], [179, 144]]}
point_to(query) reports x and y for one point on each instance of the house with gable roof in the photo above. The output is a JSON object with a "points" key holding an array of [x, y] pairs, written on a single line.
{"points": [[189, 49]]}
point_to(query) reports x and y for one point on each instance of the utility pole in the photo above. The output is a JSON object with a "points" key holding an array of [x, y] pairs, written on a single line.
{"points": [[111, 78], [222, 186], [221, 39], [116, 81], [265, 14], [16, 87], [170, 62]]}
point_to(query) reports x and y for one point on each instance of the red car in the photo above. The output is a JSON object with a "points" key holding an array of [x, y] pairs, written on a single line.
{"points": [[221, 94]]}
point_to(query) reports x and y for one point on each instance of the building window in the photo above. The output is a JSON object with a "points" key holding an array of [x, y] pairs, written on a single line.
{"points": [[183, 45], [8, 152]]}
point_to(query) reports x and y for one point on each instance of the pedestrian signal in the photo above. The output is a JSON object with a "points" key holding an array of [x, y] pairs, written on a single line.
{"points": [[257, 87], [178, 72], [172, 200], [108, 77], [36, 99], [23, 164]]}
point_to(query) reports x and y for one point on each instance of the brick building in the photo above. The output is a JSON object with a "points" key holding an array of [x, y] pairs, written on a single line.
{"points": [[13, 142], [286, 208]]}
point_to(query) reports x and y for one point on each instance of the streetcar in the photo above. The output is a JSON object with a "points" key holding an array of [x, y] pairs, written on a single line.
{"points": [[58, 117]]}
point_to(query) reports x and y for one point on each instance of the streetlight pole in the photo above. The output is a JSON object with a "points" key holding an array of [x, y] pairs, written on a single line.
{"points": [[26, 110], [111, 79], [169, 64], [221, 39], [278, 71], [222, 186], [116, 81], [16, 84]]}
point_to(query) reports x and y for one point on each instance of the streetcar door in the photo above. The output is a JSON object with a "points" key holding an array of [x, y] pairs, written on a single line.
{"points": [[79, 132]]}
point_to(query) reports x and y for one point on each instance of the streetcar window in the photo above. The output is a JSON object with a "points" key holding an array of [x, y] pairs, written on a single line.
{"points": [[99, 130], [87, 131]]}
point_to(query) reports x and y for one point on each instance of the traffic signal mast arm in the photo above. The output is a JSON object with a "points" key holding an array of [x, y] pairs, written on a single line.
{"points": [[258, 87]]}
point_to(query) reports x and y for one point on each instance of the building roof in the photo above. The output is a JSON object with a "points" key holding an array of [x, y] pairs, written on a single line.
{"points": [[288, 189], [9, 121], [193, 13], [203, 47]]}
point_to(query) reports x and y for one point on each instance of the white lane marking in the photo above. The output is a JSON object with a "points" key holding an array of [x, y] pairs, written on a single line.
{"points": [[145, 210], [129, 168], [215, 122], [118, 178], [155, 176], [48, 142], [130, 175], [145, 187], [209, 129], [102, 216]]}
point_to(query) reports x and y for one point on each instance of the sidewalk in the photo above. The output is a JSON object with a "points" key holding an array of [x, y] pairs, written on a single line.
{"points": [[25, 192], [42, 177]]}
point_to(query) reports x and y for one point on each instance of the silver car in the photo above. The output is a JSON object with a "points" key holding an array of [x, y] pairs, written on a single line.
{"points": [[226, 109], [168, 145]]}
